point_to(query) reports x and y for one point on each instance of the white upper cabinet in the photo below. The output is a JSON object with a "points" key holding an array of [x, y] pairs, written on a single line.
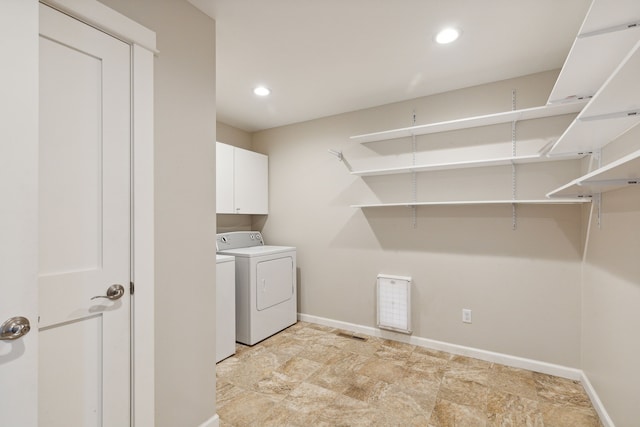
{"points": [[224, 178], [242, 185]]}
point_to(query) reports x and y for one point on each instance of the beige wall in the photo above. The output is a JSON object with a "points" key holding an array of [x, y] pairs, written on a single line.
{"points": [[523, 286], [185, 204], [228, 134], [611, 297]]}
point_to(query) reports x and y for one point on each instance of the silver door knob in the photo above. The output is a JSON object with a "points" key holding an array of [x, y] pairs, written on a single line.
{"points": [[113, 293], [14, 328]]}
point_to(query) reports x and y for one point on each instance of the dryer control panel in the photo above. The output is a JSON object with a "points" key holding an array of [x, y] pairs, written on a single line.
{"points": [[238, 239]]}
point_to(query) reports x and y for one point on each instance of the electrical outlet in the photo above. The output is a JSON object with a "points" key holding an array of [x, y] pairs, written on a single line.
{"points": [[466, 315]]}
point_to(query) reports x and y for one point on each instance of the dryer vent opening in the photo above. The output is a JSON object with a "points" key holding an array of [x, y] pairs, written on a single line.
{"points": [[394, 303]]}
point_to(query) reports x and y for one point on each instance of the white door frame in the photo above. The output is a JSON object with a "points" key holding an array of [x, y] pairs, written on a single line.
{"points": [[19, 212], [143, 43]]}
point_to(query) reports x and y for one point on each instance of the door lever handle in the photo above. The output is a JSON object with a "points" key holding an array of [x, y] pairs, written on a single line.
{"points": [[113, 293], [14, 328]]}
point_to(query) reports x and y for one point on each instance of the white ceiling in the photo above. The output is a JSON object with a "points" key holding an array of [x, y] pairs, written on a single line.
{"points": [[325, 57]]}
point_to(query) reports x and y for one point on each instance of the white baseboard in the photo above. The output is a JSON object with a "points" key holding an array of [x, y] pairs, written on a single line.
{"points": [[595, 400], [211, 422], [489, 356]]}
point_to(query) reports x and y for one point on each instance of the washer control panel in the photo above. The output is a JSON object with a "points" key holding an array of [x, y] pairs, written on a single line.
{"points": [[238, 239]]}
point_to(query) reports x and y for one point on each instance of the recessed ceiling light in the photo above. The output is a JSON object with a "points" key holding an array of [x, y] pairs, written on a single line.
{"points": [[261, 91], [447, 35]]}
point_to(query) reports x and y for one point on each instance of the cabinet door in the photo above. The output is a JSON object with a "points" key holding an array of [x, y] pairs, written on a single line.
{"points": [[251, 182], [224, 178]]}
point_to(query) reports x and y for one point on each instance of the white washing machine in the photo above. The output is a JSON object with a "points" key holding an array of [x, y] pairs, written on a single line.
{"points": [[266, 295]]}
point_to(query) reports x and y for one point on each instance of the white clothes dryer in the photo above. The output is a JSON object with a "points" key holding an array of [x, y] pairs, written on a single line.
{"points": [[266, 295]]}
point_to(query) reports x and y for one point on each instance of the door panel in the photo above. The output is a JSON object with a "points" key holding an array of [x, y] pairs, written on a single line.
{"points": [[72, 342], [71, 204], [84, 224], [274, 281]]}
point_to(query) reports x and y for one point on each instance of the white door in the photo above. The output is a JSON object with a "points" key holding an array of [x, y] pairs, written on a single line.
{"points": [[84, 225]]}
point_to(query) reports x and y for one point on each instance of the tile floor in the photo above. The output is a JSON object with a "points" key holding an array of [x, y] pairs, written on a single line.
{"points": [[310, 375]]}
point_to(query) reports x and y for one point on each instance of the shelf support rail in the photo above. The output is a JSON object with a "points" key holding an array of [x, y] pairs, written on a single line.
{"points": [[414, 178], [610, 182], [514, 218], [598, 199], [596, 157], [621, 27], [616, 115]]}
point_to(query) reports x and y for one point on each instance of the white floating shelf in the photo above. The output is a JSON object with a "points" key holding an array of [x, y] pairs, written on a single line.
{"points": [[621, 173], [613, 110], [606, 36], [500, 161], [476, 202], [477, 121], [591, 60]]}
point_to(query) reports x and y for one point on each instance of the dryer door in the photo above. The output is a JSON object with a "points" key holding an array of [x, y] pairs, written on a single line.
{"points": [[274, 282]]}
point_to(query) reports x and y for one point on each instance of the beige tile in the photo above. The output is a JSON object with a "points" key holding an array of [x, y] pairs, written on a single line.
{"points": [[297, 326], [307, 333], [470, 373], [568, 416], [469, 361], [227, 367], [331, 378], [225, 392], [433, 353], [362, 388], [392, 350], [465, 384], [323, 353], [276, 385], [504, 409], [345, 411], [513, 380], [366, 348], [383, 370], [248, 371], [225, 424], [308, 375], [284, 347], [400, 401], [245, 409], [309, 399], [426, 366], [330, 340], [241, 349], [299, 368], [350, 362], [420, 384], [320, 327], [282, 416], [561, 391], [450, 414], [400, 346]]}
